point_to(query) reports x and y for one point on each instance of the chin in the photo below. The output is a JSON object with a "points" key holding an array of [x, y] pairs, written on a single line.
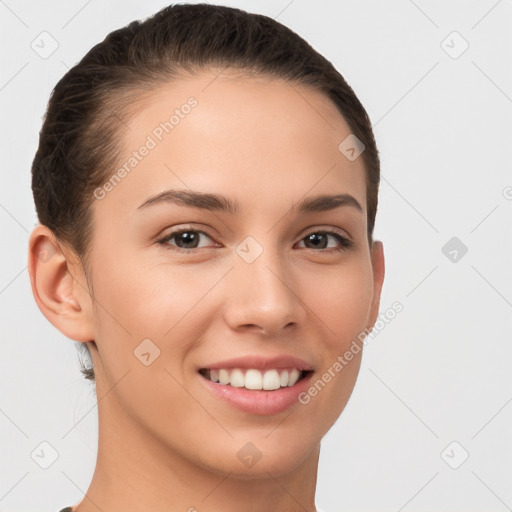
{"points": [[256, 459]]}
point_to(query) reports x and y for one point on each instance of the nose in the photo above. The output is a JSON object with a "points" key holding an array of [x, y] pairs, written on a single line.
{"points": [[262, 296]]}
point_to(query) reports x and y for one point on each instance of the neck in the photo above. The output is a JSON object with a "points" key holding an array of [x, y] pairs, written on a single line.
{"points": [[136, 471]]}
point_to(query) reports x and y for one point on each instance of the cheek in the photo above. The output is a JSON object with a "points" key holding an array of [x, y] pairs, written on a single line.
{"points": [[163, 303], [343, 306], [342, 300], [148, 299]]}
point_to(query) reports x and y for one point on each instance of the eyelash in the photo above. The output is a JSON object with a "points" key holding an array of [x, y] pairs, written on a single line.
{"points": [[346, 243]]}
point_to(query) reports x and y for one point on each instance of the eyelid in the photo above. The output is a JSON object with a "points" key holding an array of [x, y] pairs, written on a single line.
{"points": [[179, 228], [326, 229]]}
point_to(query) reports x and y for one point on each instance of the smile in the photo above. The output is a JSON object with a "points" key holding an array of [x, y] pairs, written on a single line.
{"points": [[254, 379]]}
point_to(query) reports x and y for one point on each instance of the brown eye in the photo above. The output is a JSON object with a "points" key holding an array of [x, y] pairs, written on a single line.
{"points": [[321, 240], [316, 241], [185, 239]]}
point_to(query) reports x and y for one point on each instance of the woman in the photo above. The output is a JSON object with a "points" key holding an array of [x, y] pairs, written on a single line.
{"points": [[206, 186]]}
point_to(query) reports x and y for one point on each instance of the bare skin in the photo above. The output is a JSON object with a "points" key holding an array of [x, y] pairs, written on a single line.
{"points": [[166, 443]]}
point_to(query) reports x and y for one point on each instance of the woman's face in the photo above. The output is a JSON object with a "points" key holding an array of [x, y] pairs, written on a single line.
{"points": [[250, 287]]}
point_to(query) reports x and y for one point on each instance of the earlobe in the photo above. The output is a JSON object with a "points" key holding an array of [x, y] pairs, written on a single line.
{"points": [[57, 290]]}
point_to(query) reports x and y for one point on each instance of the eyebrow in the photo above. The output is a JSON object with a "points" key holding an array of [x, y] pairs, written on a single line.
{"points": [[216, 202], [193, 199]]}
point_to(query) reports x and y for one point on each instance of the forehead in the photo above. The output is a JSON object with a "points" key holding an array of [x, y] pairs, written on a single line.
{"points": [[258, 137]]}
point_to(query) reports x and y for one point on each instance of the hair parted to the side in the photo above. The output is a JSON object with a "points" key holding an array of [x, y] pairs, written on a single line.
{"points": [[79, 139]]}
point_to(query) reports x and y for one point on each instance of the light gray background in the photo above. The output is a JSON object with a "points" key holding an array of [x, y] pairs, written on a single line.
{"points": [[438, 373]]}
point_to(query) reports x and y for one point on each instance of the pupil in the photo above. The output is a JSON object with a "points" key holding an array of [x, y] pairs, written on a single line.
{"points": [[317, 239], [187, 237]]}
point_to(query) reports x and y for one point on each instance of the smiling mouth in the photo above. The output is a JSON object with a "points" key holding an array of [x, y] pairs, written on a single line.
{"points": [[254, 379]]}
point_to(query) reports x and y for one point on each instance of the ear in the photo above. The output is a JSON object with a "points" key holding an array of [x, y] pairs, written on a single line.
{"points": [[377, 256], [59, 285]]}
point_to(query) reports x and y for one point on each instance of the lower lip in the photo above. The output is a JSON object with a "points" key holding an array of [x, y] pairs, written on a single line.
{"points": [[259, 401]]}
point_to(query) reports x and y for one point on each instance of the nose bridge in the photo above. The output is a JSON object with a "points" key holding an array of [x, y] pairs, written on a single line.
{"points": [[261, 291]]}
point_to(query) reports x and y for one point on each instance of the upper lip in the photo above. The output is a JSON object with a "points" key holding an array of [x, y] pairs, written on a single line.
{"points": [[261, 363]]}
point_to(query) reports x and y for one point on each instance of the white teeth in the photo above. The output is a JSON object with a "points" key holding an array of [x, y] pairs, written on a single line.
{"points": [[271, 380], [223, 377], [237, 378], [255, 379], [294, 377]]}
